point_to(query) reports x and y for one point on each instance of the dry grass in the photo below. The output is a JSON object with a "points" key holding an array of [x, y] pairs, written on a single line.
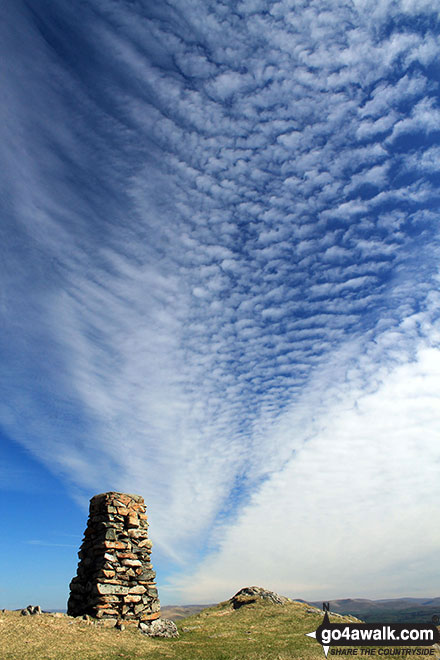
{"points": [[258, 631], [47, 637]]}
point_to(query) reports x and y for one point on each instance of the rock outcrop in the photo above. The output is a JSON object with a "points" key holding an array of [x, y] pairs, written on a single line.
{"points": [[159, 628], [249, 595], [31, 609], [115, 578]]}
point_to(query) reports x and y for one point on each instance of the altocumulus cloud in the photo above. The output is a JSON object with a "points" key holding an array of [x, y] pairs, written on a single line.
{"points": [[221, 277]]}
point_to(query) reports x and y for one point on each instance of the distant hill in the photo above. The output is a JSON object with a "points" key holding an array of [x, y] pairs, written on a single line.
{"points": [[415, 610], [176, 612], [387, 610]]}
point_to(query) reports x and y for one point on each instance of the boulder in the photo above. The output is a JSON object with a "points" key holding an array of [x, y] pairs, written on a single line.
{"points": [[159, 628], [31, 609], [249, 595]]}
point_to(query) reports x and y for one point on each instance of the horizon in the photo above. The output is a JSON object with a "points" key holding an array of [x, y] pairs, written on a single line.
{"points": [[220, 290], [312, 602]]}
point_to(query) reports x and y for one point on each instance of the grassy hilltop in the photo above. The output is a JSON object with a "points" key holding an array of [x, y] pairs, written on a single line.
{"points": [[256, 631]]}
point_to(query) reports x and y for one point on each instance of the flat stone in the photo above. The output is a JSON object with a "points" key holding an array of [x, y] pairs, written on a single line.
{"points": [[106, 588], [114, 545], [123, 500], [132, 598], [147, 575], [126, 555], [136, 533], [139, 589], [109, 613], [111, 558], [150, 617], [131, 562], [117, 579], [109, 599]]}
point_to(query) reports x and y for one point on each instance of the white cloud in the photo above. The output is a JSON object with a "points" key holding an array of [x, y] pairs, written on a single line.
{"points": [[201, 265], [428, 160], [351, 512], [424, 117]]}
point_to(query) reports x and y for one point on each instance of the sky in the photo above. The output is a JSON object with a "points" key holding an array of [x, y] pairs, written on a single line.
{"points": [[220, 290]]}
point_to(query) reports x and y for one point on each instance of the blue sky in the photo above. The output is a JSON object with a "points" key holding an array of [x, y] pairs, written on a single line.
{"points": [[220, 290]]}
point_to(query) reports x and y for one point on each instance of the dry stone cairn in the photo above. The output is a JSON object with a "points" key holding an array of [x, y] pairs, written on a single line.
{"points": [[115, 578]]}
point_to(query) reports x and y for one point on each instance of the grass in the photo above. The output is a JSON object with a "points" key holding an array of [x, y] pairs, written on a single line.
{"points": [[258, 631]]}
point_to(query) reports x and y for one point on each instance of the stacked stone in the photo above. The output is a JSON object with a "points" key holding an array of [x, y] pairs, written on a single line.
{"points": [[115, 578]]}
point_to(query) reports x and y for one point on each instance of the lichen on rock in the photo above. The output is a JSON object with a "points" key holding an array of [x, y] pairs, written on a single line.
{"points": [[249, 595], [159, 628]]}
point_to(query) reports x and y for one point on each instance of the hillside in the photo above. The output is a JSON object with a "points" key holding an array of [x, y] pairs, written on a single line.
{"points": [[411, 610], [255, 631]]}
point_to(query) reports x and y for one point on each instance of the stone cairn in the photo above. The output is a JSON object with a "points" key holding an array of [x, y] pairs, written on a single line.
{"points": [[115, 578]]}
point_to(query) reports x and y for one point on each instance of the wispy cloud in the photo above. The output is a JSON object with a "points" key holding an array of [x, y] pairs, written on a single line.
{"points": [[345, 512], [48, 544], [221, 257]]}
